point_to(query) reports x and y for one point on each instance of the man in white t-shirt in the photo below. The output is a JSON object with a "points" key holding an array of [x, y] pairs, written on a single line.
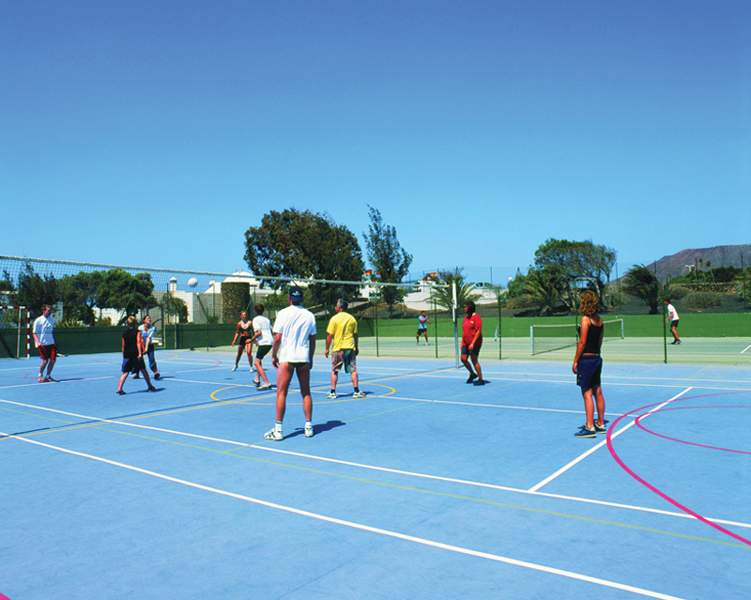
{"points": [[44, 341], [673, 318], [264, 340], [292, 352]]}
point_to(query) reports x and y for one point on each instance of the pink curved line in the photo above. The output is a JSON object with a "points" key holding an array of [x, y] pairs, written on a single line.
{"points": [[643, 427], [657, 491]]}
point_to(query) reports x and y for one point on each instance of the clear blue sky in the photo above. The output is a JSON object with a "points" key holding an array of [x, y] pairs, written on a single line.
{"points": [[156, 132]]}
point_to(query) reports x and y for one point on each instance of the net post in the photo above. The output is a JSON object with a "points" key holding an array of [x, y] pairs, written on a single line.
{"points": [[456, 329], [623, 329], [532, 337], [435, 321], [500, 329], [375, 322], [18, 334], [664, 333]]}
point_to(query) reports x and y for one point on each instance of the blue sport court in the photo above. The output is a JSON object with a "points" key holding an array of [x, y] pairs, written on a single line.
{"points": [[427, 488]]}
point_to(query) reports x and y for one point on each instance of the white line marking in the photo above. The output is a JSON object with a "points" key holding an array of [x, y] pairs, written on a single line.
{"points": [[746, 348], [596, 447], [378, 468], [215, 368], [360, 526], [37, 384]]}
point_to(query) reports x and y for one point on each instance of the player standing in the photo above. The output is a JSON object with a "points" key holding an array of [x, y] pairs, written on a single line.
{"points": [[422, 327], [243, 339], [472, 343], [342, 331], [44, 341], [292, 352], [673, 318], [588, 365], [264, 340], [133, 349], [147, 332]]}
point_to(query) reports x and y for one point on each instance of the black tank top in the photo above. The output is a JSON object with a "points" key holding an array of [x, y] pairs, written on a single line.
{"points": [[130, 348], [594, 338]]}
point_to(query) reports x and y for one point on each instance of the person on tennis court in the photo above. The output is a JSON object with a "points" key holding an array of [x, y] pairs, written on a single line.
{"points": [[588, 365], [243, 339], [133, 349], [292, 353], [263, 339], [472, 343], [422, 327], [44, 341], [673, 318], [147, 331], [342, 340]]}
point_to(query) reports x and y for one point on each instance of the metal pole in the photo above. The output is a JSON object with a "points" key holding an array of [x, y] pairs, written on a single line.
{"points": [[375, 308], [456, 330], [435, 320], [500, 330], [18, 336], [665, 332]]}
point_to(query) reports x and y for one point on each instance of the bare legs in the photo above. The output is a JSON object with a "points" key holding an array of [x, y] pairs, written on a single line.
{"points": [[283, 379], [591, 396]]}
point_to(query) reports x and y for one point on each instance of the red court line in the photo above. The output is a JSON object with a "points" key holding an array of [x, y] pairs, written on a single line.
{"points": [[656, 490], [643, 427]]}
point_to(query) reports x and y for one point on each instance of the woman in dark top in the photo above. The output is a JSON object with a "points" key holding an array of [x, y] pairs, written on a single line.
{"points": [[588, 365], [244, 339], [133, 349]]}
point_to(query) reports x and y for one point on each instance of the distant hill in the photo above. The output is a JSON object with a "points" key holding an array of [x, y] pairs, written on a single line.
{"points": [[717, 256]]}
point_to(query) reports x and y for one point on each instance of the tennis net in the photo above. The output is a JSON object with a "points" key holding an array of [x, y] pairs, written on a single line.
{"points": [[548, 338]]}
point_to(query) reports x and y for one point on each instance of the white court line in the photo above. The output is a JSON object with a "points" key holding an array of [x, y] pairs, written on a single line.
{"points": [[360, 526], [378, 468], [594, 449], [746, 348], [37, 384], [216, 368]]}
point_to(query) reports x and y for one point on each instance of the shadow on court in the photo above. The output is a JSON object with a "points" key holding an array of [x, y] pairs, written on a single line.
{"points": [[317, 429]]}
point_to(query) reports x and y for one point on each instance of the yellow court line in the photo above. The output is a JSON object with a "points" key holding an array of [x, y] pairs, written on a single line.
{"points": [[428, 492]]}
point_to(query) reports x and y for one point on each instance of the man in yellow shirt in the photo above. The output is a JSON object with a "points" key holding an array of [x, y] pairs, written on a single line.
{"points": [[341, 339]]}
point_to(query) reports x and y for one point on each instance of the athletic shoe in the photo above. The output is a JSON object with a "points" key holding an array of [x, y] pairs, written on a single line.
{"points": [[151, 388], [157, 376], [331, 395], [256, 382], [234, 368], [273, 435], [471, 378], [479, 382], [585, 433], [308, 431], [358, 395], [120, 392], [603, 429], [265, 386], [49, 379], [40, 379]]}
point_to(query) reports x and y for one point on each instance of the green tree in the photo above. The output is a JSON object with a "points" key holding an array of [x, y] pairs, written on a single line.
{"points": [[79, 294], [386, 254], [517, 286], [120, 290], [577, 259], [305, 244], [33, 290], [444, 295], [640, 281]]}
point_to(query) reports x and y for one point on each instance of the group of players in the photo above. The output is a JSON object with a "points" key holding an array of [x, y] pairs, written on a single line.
{"points": [[292, 341]]}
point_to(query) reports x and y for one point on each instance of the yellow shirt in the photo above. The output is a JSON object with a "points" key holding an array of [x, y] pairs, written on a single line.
{"points": [[343, 328]]}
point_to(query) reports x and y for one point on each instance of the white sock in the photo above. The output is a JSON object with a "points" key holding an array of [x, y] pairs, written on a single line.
{"points": [[278, 427], [308, 424]]}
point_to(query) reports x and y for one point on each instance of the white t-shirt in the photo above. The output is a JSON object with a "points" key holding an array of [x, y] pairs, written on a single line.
{"points": [[296, 324], [147, 334], [44, 328], [262, 324], [672, 313]]}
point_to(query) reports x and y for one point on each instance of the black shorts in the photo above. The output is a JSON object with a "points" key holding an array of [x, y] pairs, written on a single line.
{"points": [[133, 365], [262, 351], [475, 351], [421, 331], [588, 372], [674, 323], [242, 340]]}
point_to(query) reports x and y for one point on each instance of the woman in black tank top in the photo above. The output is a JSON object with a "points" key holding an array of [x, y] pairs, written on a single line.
{"points": [[588, 365]]}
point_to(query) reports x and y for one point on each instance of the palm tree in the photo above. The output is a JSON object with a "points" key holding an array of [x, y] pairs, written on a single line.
{"points": [[444, 297]]}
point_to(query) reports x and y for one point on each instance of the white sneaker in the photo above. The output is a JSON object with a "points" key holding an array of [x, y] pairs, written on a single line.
{"points": [[265, 386], [358, 395], [308, 431], [234, 368], [273, 435], [331, 395]]}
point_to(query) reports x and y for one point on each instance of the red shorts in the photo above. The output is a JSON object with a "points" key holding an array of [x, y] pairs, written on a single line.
{"points": [[47, 352]]}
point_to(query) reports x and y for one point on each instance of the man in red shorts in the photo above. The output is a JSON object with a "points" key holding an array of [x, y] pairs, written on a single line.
{"points": [[44, 340], [472, 342]]}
